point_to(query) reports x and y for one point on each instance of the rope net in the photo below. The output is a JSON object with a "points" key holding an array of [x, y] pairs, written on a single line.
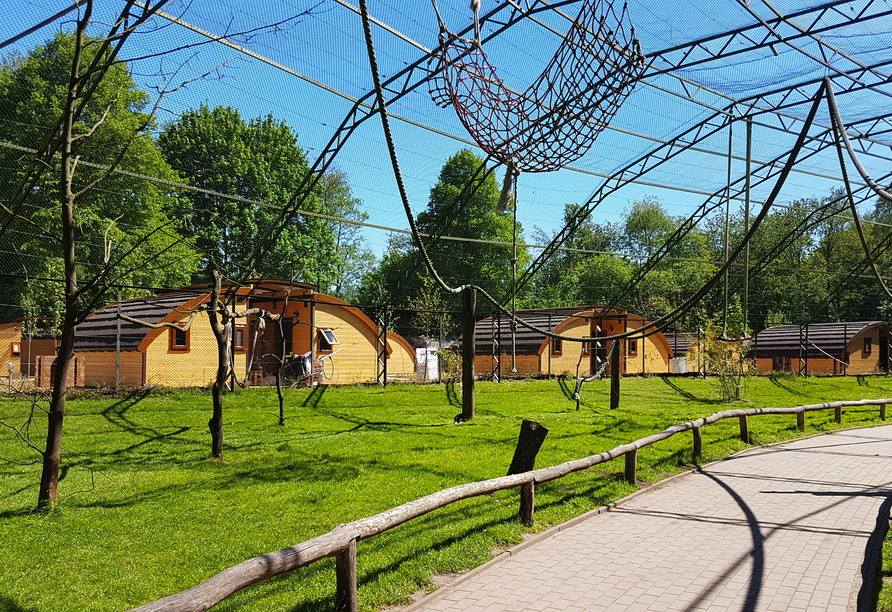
{"points": [[556, 120]]}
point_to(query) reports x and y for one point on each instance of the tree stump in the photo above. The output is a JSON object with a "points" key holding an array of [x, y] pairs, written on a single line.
{"points": [[529, 442]]}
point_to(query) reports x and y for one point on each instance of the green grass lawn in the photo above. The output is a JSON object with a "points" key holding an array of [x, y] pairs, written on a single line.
{"points": [[145, 513]]}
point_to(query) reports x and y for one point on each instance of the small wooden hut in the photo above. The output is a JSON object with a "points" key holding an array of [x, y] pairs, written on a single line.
{"points": [[855, 347], [115, 349], [528, 352], [11, 349]]}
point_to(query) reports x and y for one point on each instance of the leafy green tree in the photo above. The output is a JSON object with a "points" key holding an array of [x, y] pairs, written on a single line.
{"points": [[483, 258], [127, 229], [647, 226], [259, 165], [353, 257]]}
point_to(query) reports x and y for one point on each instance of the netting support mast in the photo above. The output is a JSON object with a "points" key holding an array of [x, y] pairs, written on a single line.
{"points": [[747, 188], [802, 366], [496, 365], [727, 280], [468, 373]]}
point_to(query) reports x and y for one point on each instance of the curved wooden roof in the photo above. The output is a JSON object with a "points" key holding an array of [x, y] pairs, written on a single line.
{"points": [[819, 339], [527, 341]]}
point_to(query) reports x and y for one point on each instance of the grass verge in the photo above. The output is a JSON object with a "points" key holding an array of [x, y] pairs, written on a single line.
{"points": [[144, 513]]}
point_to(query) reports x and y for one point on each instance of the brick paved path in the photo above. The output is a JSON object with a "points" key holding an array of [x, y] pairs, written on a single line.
{"points": [[784, 528]]}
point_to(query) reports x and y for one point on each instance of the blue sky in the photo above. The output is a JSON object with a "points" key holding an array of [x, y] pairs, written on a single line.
{"points": [[327, 46]]}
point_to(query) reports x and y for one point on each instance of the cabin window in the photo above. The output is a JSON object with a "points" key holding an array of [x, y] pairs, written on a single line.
{"points": [[633, 347], [868, 344], [557, 346], [781, 364], [16, 348], [327, 339], [241, 337], [587, 347], [179, 339]]}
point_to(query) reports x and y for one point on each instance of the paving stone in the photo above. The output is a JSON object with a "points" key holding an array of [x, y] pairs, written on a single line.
{"points": [[775, 529]]}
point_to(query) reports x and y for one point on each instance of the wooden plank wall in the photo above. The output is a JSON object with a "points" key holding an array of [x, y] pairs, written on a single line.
{"points": [[99, 368], [358, 358], [195, 367]]}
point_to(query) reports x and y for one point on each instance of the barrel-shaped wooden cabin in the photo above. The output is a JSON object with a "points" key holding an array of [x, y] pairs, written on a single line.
{"points": [[526, 351], [855, 347], [114, 348]]}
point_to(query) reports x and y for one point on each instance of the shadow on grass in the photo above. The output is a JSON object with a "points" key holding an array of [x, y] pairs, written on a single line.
{"points": [[451, 394], [565, 388], [7, 604], [116, 414], [687, 394], [777, 381], [315, 396], [385, 426]]}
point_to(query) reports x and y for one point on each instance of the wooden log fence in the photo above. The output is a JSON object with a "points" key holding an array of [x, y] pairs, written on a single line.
{"points": [[341, 541]]}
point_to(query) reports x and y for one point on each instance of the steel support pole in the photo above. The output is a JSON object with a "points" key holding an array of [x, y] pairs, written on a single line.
{"points": [[469, 299]]}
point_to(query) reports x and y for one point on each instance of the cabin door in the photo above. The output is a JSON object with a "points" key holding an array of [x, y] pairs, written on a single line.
{"points": [[598, 351]]}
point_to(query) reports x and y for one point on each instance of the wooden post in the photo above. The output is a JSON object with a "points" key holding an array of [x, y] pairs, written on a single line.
{"points": [[345, 571], [883, 411], [837, 414], [800, 419], [698, 442], [614, 376], [744, 430], [527, 502], [631, 473], [529, 442], [469, 299]]}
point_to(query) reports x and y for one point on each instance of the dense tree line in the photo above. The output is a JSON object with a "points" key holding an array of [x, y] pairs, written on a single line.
{"points": [[806, 263], [135, 227]]}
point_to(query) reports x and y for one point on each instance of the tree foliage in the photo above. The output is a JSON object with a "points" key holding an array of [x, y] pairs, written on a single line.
{"points": [[127, 229], [259, 165], [462, 205]]}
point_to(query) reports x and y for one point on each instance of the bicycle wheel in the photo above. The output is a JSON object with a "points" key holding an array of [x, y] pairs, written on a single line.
{"points": [[327, 370]]}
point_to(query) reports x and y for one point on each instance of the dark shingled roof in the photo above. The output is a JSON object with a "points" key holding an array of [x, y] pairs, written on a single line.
{"points": [[98, 332], [680, 343], [527, 341], [819, 339]]}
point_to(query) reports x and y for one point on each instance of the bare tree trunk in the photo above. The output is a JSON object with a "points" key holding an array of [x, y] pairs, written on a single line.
{"points": [[219, 328], [52, 455], [215, 424], [279, 368]]}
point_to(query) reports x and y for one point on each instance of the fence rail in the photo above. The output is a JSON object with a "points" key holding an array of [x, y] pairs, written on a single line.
{"points": [[341, 541]]}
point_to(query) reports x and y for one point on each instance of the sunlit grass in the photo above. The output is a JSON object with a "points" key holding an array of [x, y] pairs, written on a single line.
{"points": [[144, 512]]}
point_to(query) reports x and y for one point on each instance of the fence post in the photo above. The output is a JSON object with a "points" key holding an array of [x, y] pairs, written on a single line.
{"points": [[527, 502], [883, 411], [800, 419], [837, 414], [698, 442], [615, 375], [345, 572], [744, 429], [632, 467]]}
